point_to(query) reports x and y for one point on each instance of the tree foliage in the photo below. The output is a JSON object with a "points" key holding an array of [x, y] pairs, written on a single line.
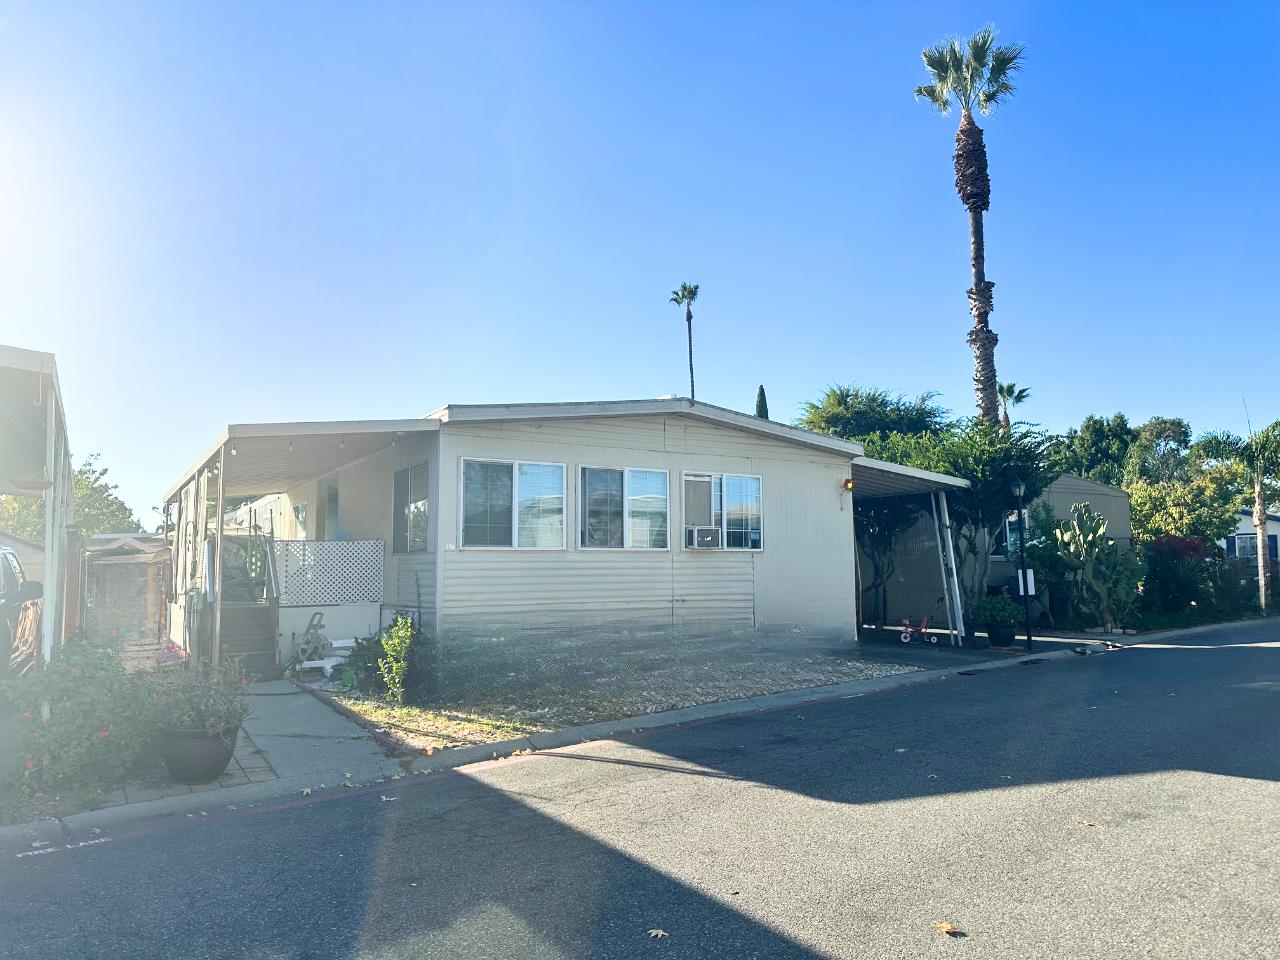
{"points": [[97, 507], [1205, 505], [1159, 452], [1096, 449], [970, 73], [858, 413], [762, 404]]}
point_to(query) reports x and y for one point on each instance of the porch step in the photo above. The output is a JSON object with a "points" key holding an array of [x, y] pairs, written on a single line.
{"points": [[250, 616], [261, 666]]}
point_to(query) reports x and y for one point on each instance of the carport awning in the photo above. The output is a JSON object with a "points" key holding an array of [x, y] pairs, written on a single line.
{"points": [[874, 479], [267, 458]]}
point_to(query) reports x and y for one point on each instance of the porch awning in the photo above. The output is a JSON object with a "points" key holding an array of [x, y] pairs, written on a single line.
{"points": [[267, 458], [874, 479]]}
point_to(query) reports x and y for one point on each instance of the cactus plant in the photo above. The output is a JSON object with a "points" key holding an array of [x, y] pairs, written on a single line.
{"points": [[1103, 575]]}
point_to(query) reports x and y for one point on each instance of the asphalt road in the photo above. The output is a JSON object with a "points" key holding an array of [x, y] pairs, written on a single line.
{"points": [[1114, 806]]}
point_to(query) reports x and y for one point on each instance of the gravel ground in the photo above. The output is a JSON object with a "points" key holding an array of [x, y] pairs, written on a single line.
{"points": [[558, 690]]}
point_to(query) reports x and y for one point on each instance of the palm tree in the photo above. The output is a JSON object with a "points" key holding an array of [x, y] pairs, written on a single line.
{"points": [[1259, 454], [684, 296], [1010, 395], [974, 74]]}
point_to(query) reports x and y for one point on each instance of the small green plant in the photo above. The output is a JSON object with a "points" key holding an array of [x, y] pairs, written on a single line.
{"points": [[80, 722], [363, 661], [200, 698], [998, 610], [393, 667]]}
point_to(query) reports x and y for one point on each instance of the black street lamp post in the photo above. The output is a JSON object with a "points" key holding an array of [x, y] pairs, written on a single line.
{"points": [[1019, 488]]}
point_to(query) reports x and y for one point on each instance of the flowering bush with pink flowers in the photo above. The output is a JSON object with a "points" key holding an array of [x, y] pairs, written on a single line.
{"points": [[81, 721]]}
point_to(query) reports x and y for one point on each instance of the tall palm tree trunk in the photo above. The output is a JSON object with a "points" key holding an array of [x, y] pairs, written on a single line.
{"points": [[1260, 531], [688, 320], [973, 183]]}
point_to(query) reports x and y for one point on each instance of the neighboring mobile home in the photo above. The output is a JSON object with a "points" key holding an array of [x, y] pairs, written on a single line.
{"points": [[1244, 542], [35, 461], [587, 522]]}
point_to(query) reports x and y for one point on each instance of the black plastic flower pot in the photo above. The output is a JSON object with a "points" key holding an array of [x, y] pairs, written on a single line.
{"points": [[194, 756], [1000, 634]]}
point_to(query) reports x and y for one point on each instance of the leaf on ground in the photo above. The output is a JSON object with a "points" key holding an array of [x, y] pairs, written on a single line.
{"points": [[306, 791], [1086, 823], [658, 934], [95, 830], [385, 798], [949, 929]]}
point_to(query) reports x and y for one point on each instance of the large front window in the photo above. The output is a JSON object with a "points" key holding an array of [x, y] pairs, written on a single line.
{"points": [[623, 508], [512, 504], [723, 511]]}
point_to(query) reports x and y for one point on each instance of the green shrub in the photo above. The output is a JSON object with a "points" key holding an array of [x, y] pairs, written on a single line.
{"points": [[364, 661], [999, 610], [99, 722], [393, 667]]}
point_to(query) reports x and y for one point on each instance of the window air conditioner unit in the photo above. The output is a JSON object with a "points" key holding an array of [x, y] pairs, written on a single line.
{"points": [[702, 538]]}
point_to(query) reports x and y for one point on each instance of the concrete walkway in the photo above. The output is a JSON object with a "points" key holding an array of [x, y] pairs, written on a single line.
{"points": [[304, 738]]}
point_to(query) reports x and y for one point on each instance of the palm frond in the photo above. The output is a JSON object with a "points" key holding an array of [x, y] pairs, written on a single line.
{"points": [[1006, 59], [685, 294], [989, 97], [974, 72], [937, 60], [936, 96], [1221, 445]]}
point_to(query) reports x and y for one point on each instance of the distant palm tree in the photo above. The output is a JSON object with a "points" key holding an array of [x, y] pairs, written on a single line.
{"points": [[1259, 454], [1010, 395], [974, 73], [684, 296]]}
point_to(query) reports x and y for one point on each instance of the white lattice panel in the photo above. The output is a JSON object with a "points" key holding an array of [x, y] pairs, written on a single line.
{"points": [[316, 572]]}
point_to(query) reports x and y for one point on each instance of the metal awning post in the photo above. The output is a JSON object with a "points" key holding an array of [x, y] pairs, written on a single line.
{"points": [[216, 654], [853, 526], [942, 569], [951, 563], [50, 616]]}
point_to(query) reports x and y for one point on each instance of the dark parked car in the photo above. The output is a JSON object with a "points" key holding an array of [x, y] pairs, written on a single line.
{"points": [[16, 591]]}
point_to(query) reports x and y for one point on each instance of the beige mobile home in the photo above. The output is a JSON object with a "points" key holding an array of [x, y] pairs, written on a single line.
{"points": [[585, 522]]}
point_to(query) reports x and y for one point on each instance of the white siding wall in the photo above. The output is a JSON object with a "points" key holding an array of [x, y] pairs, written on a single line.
{"points": [[802, 580]]}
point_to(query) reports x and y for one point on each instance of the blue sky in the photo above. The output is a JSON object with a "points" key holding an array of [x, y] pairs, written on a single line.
{"points": [[230, 212]]}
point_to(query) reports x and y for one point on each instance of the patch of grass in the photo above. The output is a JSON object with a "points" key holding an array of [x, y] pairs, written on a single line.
{"points": [[433, 729]]}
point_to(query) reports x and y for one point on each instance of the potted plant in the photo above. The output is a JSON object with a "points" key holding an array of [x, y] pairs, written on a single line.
{"points": [[999, 617], [197, 711]]}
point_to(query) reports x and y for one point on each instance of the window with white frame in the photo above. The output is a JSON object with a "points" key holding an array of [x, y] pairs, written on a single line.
{"points": [[508, 503], [723, 511], [623, 508], [409, 520], [1246, 545]]}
